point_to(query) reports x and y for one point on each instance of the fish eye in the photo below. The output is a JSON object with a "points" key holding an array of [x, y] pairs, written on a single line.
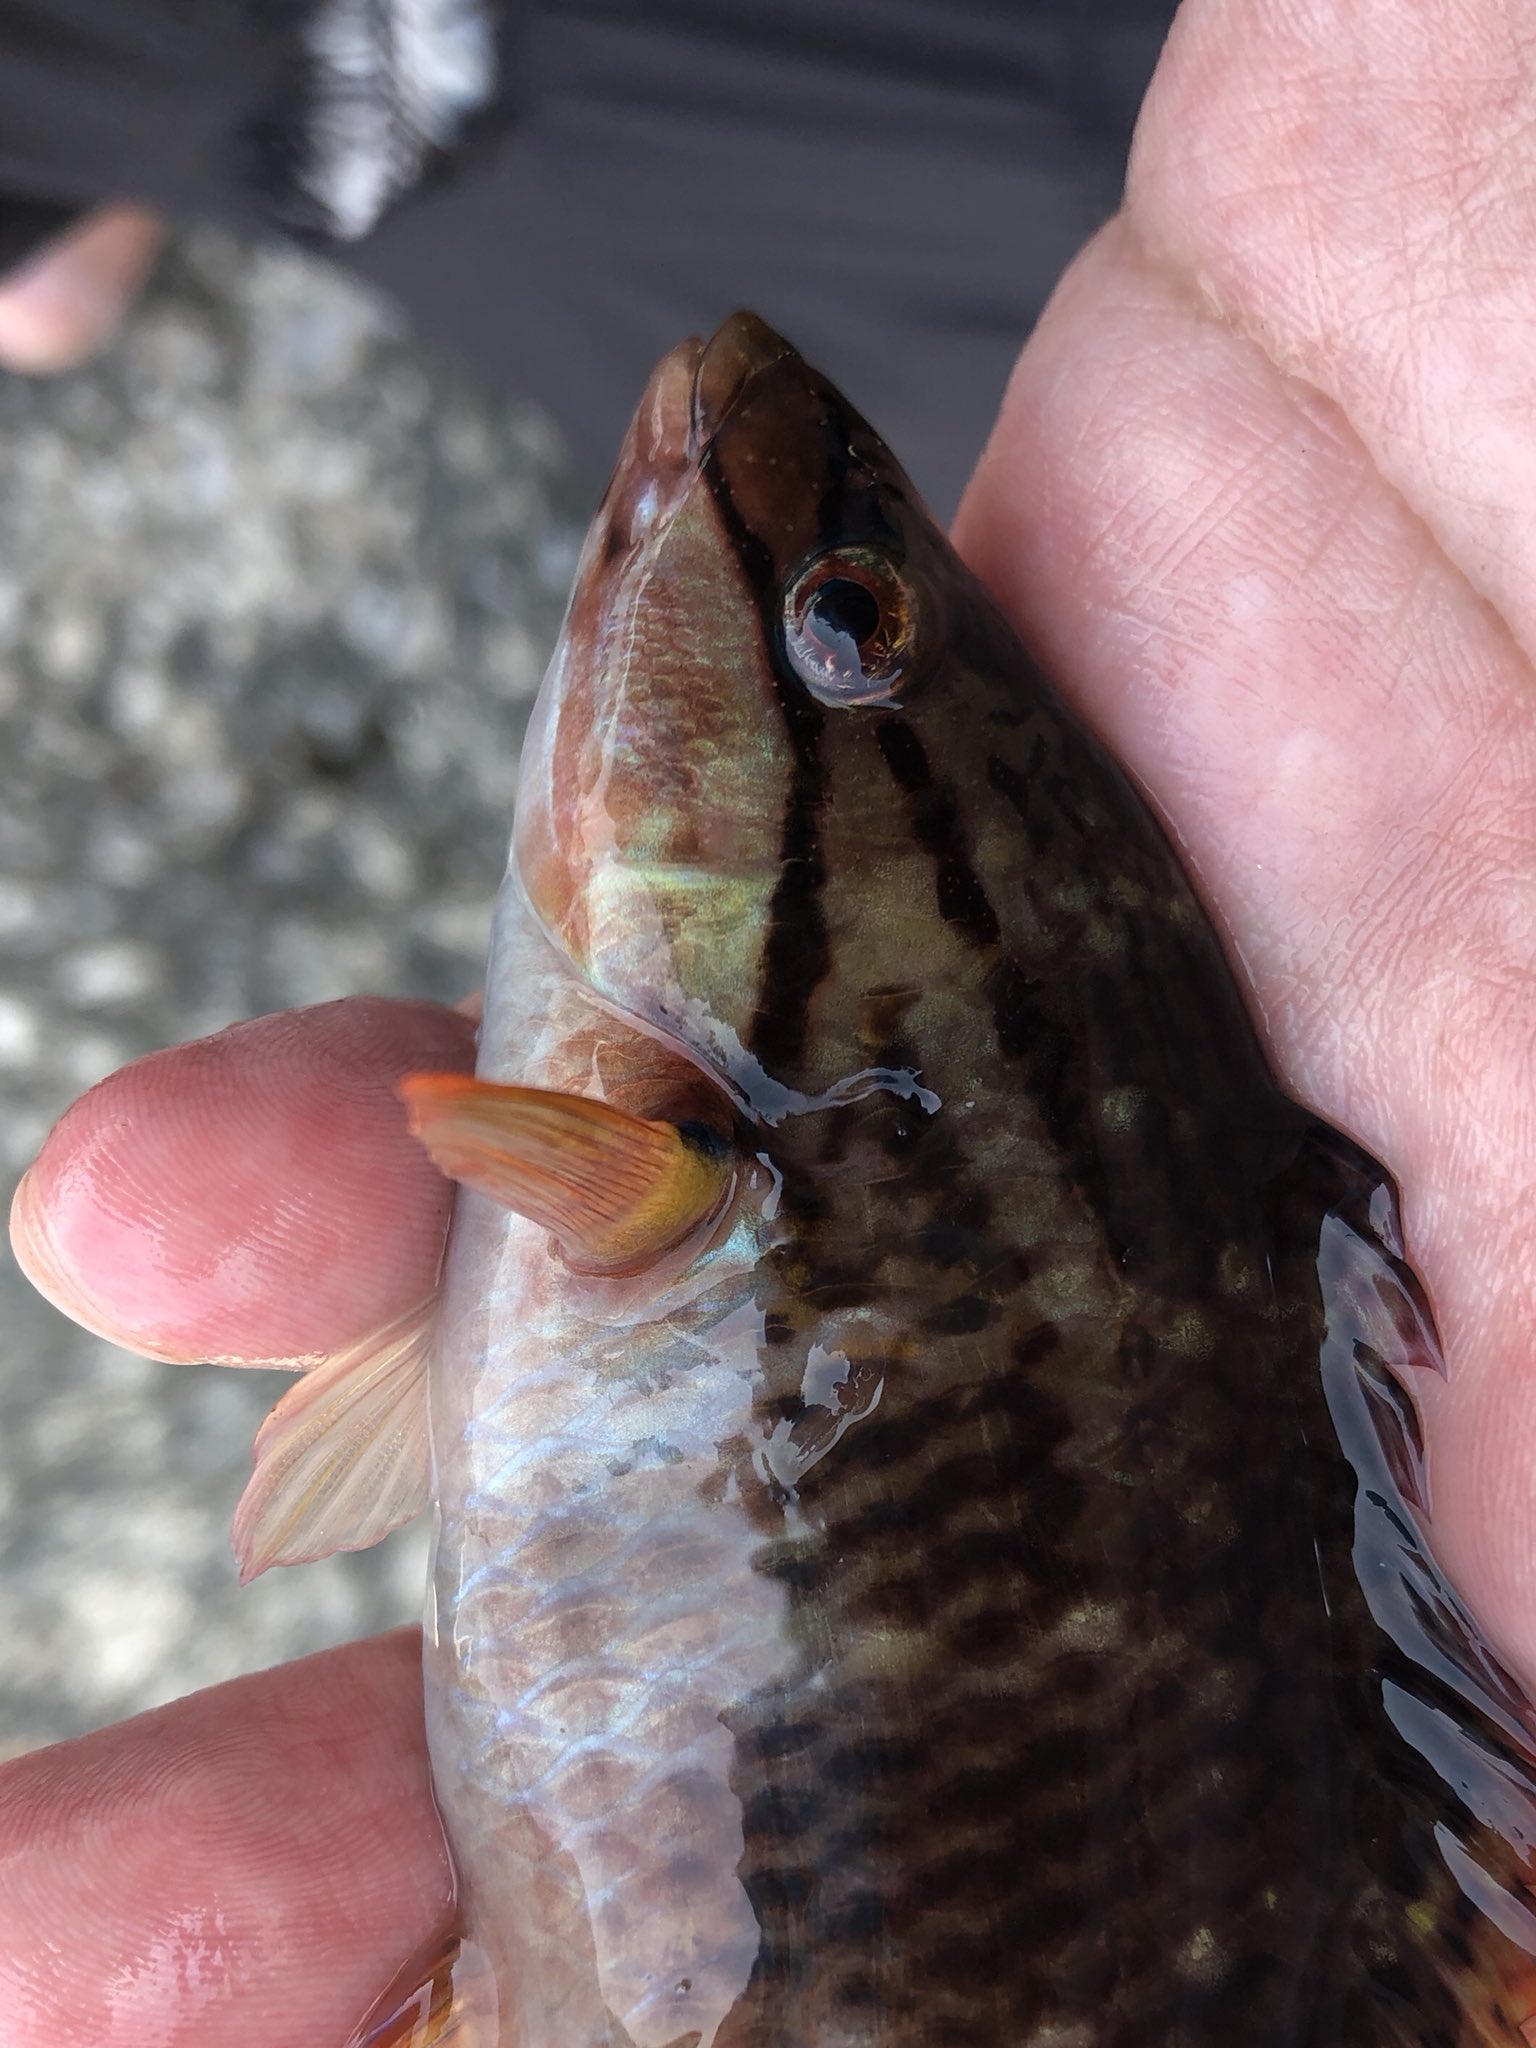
{"points": [[849, 626]]}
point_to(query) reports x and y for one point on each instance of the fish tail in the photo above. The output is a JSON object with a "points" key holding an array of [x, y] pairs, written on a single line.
{"points": [[444, 1997]]}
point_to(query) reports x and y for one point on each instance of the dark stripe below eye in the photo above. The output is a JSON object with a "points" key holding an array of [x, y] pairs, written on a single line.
{"points": [[935, 819], [797, 951]]}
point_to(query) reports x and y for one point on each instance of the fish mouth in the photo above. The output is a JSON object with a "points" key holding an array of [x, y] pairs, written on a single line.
{"points": [[693, 392], [696, 387], [725, 367]]}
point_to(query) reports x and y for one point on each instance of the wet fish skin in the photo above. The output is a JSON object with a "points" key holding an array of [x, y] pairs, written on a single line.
{"points": [[985, 1595]]}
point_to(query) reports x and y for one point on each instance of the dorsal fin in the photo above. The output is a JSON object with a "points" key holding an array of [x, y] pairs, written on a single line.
{"points": [[1379, 1337], [1431, 1673]]}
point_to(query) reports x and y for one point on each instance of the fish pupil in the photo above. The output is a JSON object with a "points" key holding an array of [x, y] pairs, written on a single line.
{"points": [[844, 608], [848, 626]]}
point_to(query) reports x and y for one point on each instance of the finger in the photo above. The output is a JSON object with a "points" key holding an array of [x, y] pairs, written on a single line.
{"points": [[250, 1864], [1356, 198], [66, 302], [1341, 728], [253, 1196]]}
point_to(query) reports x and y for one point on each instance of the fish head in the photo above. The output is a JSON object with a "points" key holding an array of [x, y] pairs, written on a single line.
{"points": [[760, 595], [798, 801]]}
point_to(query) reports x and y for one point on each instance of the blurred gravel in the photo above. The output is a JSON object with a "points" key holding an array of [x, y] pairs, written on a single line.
{"points": [[275, 592]]}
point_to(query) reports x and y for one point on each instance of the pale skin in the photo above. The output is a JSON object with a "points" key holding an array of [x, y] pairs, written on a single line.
{"points": [[1263, 492], [64, 304]]}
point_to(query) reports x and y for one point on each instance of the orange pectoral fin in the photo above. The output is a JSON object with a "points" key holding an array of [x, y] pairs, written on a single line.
{"points": [[616, 1190], [444, 1997]]}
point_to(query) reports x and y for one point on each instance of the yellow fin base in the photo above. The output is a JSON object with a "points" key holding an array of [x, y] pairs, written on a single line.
{"points": [[614, 1189]]}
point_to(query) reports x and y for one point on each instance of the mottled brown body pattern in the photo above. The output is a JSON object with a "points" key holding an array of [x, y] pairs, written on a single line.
{"points": [[1080, 1749], [1086, 1680]]}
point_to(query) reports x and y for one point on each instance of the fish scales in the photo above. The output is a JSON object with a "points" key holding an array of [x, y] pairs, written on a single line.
{"points": [[978, 1592]]}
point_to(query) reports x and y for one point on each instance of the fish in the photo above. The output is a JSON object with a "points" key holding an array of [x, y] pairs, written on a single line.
{"points": [[933, 1539]]}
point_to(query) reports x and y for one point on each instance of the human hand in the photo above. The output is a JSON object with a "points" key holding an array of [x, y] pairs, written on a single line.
{"points": [[258, 1860], [1298, 600]]}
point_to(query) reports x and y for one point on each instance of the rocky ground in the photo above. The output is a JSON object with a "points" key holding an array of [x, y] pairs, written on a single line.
{"points": [[275, 592]]}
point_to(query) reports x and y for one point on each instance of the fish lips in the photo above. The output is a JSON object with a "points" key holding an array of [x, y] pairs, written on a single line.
{"points": [[691, 394], [694, 393], [724, 367]]}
